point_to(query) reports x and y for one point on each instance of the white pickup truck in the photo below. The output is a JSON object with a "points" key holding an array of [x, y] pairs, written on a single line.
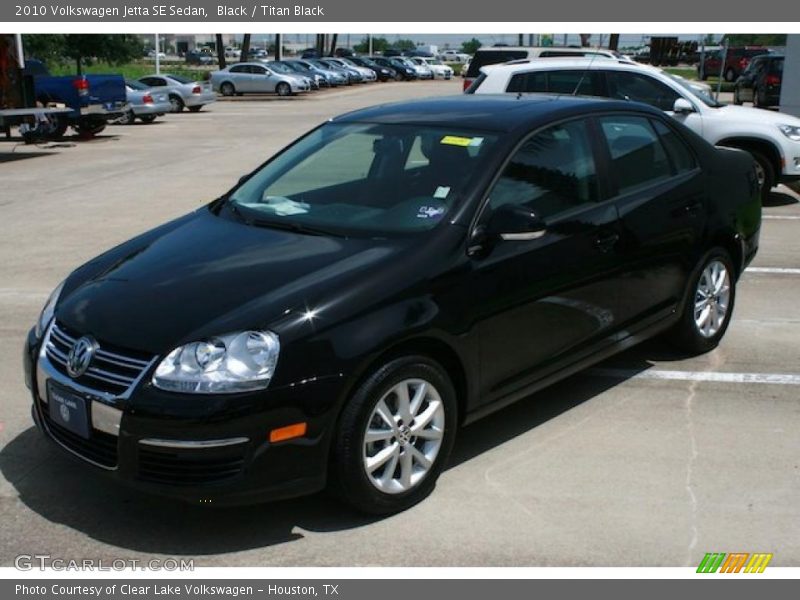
{"points": [[772, 138]]}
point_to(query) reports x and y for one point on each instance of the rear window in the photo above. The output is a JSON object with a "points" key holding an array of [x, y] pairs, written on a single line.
{"points": [[483, 58]]}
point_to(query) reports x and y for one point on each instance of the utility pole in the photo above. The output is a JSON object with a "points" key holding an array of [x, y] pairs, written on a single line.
{"points": [[158, 60]]}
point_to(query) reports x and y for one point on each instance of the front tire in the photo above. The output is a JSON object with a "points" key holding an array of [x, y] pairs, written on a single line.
{"points": [[765, 173], [283, 89], [394, 436], [708, 306]]}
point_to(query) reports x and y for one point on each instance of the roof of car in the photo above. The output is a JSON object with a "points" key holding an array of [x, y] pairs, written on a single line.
{"points": [[567, 63], [489, 112]]}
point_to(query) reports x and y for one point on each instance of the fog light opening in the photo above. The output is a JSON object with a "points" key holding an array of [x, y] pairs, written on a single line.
{"points": [[281, 434]]}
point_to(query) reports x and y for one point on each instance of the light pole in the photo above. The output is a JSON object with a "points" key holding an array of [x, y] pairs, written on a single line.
{"points": [[158, 60]]}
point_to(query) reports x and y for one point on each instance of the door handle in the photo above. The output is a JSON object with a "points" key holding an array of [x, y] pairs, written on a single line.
{"points": [[693, 207], [605, 242]]}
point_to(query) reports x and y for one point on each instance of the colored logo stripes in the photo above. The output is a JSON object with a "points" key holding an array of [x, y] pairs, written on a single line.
{"points": [[735, 562]]}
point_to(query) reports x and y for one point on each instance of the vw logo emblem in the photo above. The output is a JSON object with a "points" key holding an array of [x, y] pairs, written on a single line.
{"points": [[80, 356], [64, 413]]}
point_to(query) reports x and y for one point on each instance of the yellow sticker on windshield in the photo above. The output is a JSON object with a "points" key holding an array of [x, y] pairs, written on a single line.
{"points": [[455, 140]]}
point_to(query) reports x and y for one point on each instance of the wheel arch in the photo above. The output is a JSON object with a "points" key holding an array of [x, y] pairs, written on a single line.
{"points": [[754, 144], [430, 347]]}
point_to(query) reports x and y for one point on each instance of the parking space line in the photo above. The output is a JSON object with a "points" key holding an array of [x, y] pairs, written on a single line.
{"points": [[703, 376], [774, 270], [781, 217]]}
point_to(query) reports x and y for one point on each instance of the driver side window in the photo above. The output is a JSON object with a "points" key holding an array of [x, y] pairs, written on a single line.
{"points": [[553, 172]]}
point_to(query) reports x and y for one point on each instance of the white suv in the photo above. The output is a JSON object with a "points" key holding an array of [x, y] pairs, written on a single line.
{"points": [[772, 138]]}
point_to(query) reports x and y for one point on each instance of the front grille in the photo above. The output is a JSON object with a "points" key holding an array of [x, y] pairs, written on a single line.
{"points": [[190, 467], [100, 448], [112, 370]]}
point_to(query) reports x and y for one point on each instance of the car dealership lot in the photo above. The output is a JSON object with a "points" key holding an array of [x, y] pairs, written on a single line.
{"points": [[646, 460]]}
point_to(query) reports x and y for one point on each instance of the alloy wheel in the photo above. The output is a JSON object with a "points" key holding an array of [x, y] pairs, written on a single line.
{"points": [[403, 436], [712, 298]]}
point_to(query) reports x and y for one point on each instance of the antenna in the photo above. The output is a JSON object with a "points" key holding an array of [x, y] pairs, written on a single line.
{"points": [[588, 67]]}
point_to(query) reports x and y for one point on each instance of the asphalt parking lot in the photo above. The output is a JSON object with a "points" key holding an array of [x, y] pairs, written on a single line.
{"points": [[648, 460]]}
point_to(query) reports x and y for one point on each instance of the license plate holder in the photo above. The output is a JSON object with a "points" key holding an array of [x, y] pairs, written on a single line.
{"points": [[68, 410]]}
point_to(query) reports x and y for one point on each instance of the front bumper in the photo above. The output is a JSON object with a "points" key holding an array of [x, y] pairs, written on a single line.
{"points": [[203, 449]]}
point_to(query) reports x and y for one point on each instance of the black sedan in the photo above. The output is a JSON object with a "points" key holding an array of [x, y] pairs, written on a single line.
{"points": [[401, 70], [390, 276], [383, 73]]}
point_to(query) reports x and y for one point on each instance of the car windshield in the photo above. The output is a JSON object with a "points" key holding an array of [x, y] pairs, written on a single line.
{"points": [[702, 96], [280, 67], [433, 61], [180, 78], [365, 179]]}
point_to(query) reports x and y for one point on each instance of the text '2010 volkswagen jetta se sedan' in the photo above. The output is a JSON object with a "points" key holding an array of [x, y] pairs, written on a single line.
{"points": [[393, 274]]}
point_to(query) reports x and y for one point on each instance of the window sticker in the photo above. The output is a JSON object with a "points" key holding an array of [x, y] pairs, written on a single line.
{"points": [[430, 212], [464, 142], [441, 192]]}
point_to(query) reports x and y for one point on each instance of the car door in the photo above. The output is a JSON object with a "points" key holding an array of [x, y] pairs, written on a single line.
{"points": [[264, 80], [542, 303], [661, 198], [240, 76]]}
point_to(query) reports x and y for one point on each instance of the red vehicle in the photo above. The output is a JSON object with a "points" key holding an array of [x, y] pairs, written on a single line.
{"points": [[736, 61]]}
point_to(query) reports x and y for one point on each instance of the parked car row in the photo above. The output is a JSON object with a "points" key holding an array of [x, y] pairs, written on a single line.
{"points": [[293, 76]]}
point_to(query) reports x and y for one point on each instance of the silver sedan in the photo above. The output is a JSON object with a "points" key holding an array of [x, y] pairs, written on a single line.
{"points": [[146, 103], [256, 77], [182, 91]]}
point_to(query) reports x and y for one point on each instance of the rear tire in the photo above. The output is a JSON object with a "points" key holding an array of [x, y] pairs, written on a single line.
{"points": [[408, 407], [195, 109], [730, 75], [227, 89], [89, 127], [708, 307], [127, 118], [147, 118]]}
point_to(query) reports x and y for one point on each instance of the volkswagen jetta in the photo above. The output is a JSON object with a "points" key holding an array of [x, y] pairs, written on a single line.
{"points": [[390, 276]]}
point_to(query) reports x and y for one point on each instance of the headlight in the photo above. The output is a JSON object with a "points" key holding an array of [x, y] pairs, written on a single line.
{"points": [[237, 362], [790, 131], [47, 311]]}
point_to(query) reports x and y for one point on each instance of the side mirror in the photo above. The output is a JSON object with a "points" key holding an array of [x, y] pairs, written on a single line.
{"points": [[512, 222], [682, 106]]}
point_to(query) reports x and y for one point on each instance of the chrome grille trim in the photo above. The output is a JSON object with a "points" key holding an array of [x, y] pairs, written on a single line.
{"points": [[118, 372]]}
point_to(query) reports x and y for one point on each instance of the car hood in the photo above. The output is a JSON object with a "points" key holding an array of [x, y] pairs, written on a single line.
{"points": [[755, 115], [204, 275]]}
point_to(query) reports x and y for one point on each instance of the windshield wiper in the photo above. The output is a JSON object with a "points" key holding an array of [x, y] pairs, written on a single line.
{"points": [[291, 226]]}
